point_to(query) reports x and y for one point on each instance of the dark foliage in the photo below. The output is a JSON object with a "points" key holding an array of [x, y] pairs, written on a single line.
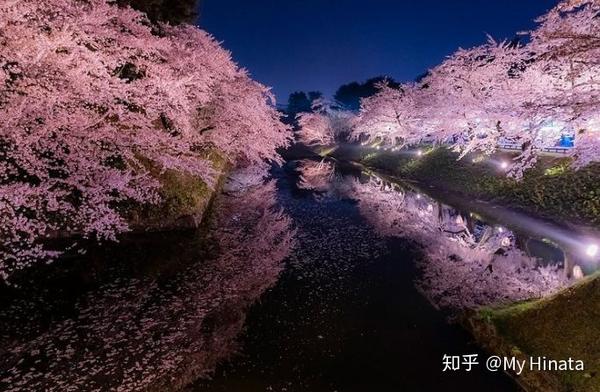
{"points": [[301, 102], [350, 94], [172, 11]]}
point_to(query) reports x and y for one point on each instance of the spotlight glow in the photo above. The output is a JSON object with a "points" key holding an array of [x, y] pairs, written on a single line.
{"points": [[419, 152], [504, 165], [591, 250]]}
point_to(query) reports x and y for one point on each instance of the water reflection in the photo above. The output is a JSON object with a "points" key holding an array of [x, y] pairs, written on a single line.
{"points": [[466, 262], [316, 176], [153, 331], [345, 312], [345, 315]]}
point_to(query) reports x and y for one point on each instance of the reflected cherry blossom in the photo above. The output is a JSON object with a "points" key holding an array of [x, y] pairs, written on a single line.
{"points": [[159, 332], [465, 263]]}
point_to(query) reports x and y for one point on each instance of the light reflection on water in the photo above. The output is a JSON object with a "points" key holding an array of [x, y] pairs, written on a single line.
{"points": [[346, 315], [468, 261], [548, 242], [345, 292]]}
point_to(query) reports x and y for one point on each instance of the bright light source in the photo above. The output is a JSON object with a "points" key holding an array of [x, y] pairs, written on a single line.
{"points": [[419, 152], [501, 229], [504, 165], [591, 250], [578, 273]]}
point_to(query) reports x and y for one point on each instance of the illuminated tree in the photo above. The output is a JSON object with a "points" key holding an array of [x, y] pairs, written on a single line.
{"points": [[390, 116], [530, 94], [325, 125], [89, 94], [565, 76]]}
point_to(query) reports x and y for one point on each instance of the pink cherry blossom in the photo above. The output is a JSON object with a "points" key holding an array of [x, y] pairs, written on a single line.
{"points": [[89, 94]]}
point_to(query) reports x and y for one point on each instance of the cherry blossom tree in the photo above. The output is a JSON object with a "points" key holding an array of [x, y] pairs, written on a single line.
{"points": [[529, 93], [465, 102], [392, 116], [325, 125], [565, 76], [468, 95], [90, 94]]}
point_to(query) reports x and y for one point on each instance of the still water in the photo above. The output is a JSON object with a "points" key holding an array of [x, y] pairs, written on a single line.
{"points": [[345, 314], [326, 278]]}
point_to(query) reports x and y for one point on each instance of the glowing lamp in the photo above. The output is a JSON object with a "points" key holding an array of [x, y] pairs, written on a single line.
{"points": [[419, 153], [504, 165]]}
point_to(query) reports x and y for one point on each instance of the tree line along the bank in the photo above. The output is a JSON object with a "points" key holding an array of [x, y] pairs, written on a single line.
{"points": [[529, 92]]}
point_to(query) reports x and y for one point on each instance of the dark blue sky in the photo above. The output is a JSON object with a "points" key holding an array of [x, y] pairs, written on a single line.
{"points": [[320, 44]]}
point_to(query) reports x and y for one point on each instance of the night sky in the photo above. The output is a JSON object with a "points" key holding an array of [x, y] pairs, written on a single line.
{"points": [[320, 44]]}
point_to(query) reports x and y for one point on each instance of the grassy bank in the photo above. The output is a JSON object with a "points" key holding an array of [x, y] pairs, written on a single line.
{"points": [[551, 189], [564, 326], [184, 199]]}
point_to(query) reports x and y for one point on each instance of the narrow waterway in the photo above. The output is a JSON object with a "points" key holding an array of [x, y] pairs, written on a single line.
{"points": [[326, 278], [345, 314]]}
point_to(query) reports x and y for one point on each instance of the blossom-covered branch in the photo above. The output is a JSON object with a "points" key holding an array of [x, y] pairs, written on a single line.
{"points": [[89, 94]]}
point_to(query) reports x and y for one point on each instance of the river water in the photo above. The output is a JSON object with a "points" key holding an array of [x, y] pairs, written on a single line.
{"points": [[327, 278], [345, 314]]}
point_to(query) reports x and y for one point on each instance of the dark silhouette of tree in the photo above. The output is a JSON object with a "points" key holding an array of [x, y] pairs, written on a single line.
{"points": [[350, 94], [298, 102], [172, 11], [314, 95]]}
